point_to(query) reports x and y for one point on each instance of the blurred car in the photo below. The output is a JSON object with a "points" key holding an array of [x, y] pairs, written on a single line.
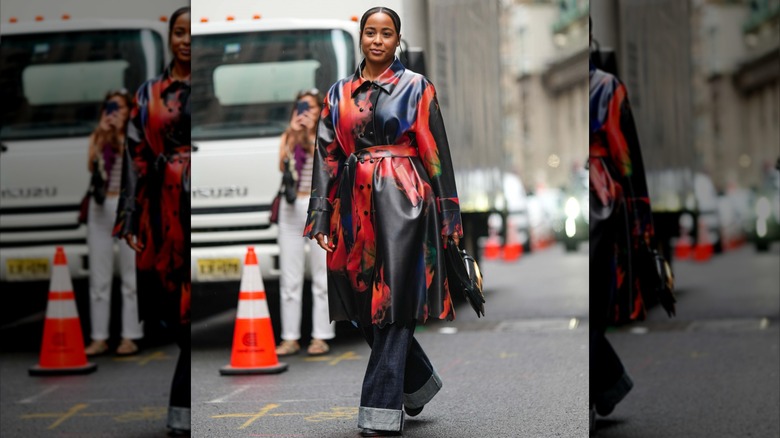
{"points": [[517, 210], [576, 212], [765, 226], [544, 215]]}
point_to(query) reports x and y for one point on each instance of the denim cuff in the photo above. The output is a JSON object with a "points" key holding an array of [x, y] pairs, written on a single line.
{"points": [[178, 418], [419, 398], [380, 419]]}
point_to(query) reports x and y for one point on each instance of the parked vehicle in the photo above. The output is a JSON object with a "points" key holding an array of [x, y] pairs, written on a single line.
{"points": [[576, 212], [765, 224], [54, 75], [249, 65]]}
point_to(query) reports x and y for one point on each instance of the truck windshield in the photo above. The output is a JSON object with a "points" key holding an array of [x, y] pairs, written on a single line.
{"points": [[52, 84], [247, 82]]}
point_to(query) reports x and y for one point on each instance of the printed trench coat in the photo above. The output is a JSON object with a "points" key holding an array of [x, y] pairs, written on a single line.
{"points": [[155, 197], [621, 223], [384, 193]]}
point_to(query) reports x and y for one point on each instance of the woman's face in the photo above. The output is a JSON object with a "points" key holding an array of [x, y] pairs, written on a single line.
{"points": [[379, 39], [180, 38]]}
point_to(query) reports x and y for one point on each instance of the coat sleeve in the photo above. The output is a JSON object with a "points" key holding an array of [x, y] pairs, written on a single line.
{"points": [[134, 169], [627, 156], [328, 157], [435, 155]]}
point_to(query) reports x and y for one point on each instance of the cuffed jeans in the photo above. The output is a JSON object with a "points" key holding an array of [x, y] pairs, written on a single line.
{"points": [[292, 219], [398, 374], [101, 269], [179, 405]]}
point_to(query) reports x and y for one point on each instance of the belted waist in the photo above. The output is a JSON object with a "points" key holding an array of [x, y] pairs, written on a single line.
{"points": [[180, 153], [383, 151]]}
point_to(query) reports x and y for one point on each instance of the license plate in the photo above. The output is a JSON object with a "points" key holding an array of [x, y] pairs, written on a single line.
{"points": [[27, 269], [219, 269]]}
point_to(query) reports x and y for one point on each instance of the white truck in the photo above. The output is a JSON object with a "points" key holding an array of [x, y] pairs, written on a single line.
{"points": [[57, 61], [248, 65]]}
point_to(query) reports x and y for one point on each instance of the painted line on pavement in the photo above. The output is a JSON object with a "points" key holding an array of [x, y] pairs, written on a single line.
{"points": [[335, 413], [144, 413], [349, 355], [48, 390], [222, 399]]}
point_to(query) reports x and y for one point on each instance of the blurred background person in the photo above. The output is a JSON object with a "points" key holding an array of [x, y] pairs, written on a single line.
{"points": [[296, 152], [154, 212], [106, 146]]}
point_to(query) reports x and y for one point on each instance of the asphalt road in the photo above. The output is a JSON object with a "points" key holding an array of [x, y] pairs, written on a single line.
{"points": [[519, 372], [713, 370]]}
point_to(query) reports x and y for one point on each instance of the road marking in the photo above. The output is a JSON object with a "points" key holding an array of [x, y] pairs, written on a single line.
{"points": [[48, 390], [252, 417], [335, 413], [143, 360], [145, 413], [573, 323], [339, 413], [349, 355], [505, 355], [61, 416], [222, 399]]}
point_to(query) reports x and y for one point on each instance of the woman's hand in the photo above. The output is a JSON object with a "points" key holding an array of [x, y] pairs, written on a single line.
{"points": [[308, 120], [454, 237], [322, 241], [133, 242]]}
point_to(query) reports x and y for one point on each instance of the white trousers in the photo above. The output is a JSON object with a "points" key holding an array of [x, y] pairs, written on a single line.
{"points": [[101, 269], [292, 219]]}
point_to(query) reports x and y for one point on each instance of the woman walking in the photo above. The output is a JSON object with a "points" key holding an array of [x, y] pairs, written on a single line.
{"points": [[154, 212], [383, 203], [622, 238], [106, 146], [296, 150]]}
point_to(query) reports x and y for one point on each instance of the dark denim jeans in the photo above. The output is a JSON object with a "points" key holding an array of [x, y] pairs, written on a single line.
{"points": [[179, 405], [398, 374]]}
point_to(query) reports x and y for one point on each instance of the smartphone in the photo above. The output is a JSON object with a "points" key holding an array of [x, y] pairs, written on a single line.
{"points": [[302, 107], [111, 107]]}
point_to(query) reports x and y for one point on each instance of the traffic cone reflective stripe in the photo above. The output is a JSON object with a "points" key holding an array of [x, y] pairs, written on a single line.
{"points": [[704, 248], [254, 347], [62, 348]]}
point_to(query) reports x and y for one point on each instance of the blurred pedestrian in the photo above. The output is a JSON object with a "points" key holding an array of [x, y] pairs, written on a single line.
{"points": [[622, 239], [296, 151], [383, 204], [106, 146], [154, 212]]}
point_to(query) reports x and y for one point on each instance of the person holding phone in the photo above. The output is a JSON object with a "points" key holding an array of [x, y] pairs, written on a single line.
{"points": [[296, 151], [106, 146]]}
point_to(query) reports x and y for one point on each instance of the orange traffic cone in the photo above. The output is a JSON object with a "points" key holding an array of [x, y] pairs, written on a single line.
{"points": [[513, 249], [492, 247], [62, 349], [254, 349], [704, 248], [683, 246]]}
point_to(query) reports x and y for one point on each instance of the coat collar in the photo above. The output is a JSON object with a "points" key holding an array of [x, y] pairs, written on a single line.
{"points": [[387, 81]]}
